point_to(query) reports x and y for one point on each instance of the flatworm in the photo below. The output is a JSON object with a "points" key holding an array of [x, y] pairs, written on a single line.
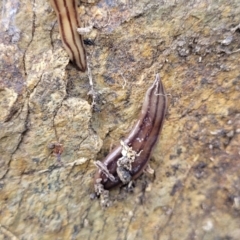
{"points": [[68, 21], [141, 139]]}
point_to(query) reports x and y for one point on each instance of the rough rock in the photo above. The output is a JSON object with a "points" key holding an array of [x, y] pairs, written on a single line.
{"points": [[54, 125]]}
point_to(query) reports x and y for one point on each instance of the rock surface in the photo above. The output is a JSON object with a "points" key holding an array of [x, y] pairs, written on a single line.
{"points": [[53, 126]]}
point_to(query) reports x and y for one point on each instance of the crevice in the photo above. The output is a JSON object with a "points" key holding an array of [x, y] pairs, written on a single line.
{"points": [[16, 148], [26, 128], [35, 86], [31, 40], [51, 35], [14, 111], [53, 120]]}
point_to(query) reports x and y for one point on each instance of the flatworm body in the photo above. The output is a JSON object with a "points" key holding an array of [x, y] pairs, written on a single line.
{"points": [[142, 137], [68, 22]]}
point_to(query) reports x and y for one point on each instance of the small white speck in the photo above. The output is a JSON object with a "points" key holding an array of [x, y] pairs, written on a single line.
{"points": [[227, 40], [216, 132], [230, 134], [139, 139], [208, 226], [130, 213], [238, 130], [236, 203]]}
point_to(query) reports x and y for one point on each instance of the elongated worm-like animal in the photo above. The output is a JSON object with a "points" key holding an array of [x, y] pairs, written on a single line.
{"points": [[140, 140], [68, 22]]}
